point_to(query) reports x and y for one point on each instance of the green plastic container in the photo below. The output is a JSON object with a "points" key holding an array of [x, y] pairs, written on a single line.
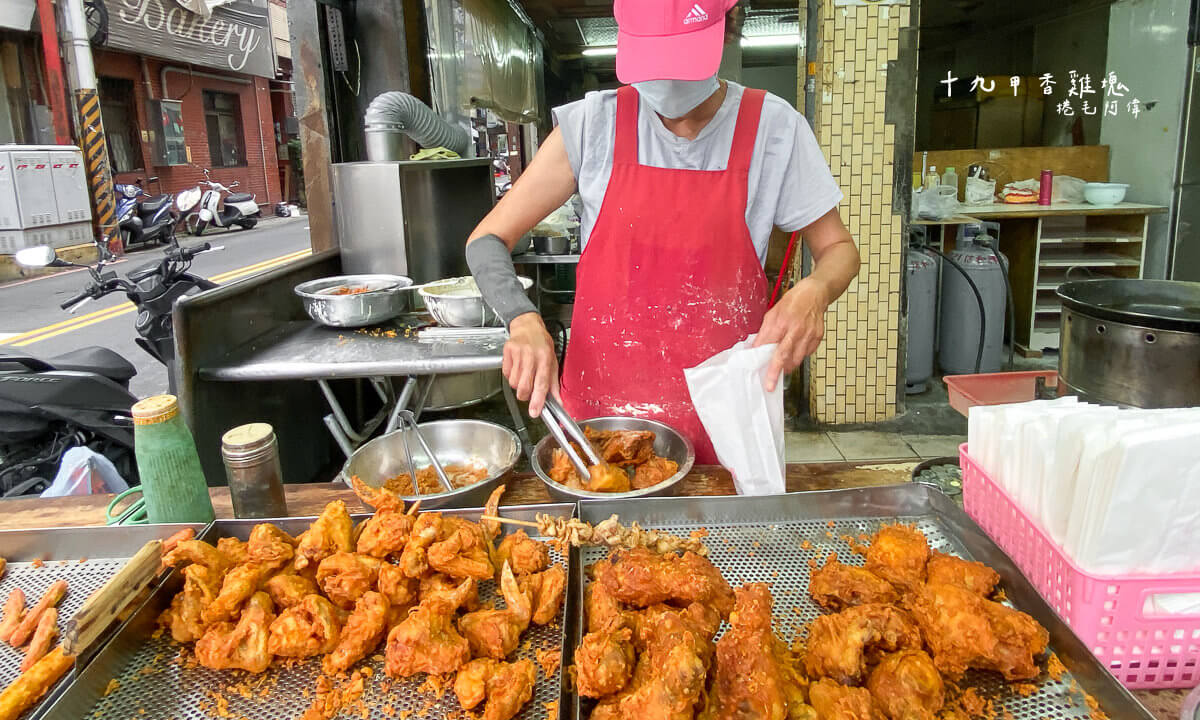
{"points": [[173, 484]]}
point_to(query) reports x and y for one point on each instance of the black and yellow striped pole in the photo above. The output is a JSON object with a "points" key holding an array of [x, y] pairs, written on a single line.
{"points": [[99, 172]]}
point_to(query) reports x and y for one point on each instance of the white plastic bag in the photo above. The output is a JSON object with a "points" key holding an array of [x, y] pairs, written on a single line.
{"points": [[743, 420], [1066, 189], [85, 472], [938, 203], [980, 192]]}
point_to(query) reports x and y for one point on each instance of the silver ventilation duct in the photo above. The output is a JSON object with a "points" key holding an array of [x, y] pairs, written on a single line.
{"points": [[393, 114]]}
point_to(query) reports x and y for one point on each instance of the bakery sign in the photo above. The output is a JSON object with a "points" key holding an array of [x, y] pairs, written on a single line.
{"points": [[235, 38]]}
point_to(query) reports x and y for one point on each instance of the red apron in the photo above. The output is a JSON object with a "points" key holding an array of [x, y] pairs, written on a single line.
{"points": [[668, 279]]}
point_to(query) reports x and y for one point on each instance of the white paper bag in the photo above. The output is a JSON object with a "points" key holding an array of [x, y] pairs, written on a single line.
{"points": [[743, 420]]}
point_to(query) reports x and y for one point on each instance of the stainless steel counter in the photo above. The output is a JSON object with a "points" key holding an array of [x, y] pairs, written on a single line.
{"points": [[535, 259], [303, 350]]}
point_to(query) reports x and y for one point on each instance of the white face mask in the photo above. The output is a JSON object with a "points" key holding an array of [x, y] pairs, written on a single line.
{"points": [[676, 98]]}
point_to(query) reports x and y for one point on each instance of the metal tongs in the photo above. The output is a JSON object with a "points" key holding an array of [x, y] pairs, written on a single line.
{"points": [[562, 425], [408, 423]]}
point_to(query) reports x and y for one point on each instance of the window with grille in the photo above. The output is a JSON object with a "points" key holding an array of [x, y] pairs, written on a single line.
{"points": [[120, 131], [223, 121]]}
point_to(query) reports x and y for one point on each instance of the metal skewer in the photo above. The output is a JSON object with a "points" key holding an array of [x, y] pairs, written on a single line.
{"points": [[409, 422]]}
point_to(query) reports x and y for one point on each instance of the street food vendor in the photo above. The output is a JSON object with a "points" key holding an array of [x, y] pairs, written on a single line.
{"points": [[682, 176]]}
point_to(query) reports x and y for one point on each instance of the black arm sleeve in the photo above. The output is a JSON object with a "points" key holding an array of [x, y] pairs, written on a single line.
{"points": [[491, 265]]}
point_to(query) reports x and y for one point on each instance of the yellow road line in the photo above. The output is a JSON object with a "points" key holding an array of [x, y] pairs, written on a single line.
{"points": [[59, 328]]}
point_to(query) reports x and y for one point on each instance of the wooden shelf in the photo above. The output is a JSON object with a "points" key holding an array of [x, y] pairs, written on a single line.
{"points": [[1086, 259], [1044, 306], [1059, 237]]}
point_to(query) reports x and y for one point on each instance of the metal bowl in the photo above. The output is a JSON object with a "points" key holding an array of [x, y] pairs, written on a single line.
{"points": [[668, 443], [457, 302], [452, 442], [384, 300]]}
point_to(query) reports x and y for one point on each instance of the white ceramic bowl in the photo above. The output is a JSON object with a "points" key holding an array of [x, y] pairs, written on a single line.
{"points": [[1104, 193]]}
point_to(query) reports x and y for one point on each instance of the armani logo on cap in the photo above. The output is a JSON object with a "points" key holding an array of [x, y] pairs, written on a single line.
{"points": [[695, 15]]}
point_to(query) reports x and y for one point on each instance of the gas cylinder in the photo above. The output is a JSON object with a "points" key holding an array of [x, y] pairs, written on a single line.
{"points": [[920, 298], [959, 335]]}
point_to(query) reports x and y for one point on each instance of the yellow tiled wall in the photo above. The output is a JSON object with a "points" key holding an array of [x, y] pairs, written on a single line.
{"points": [[853, 375]]}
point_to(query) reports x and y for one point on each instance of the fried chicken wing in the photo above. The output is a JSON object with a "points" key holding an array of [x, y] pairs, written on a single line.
{"points": [[243, 646], [653, 471], [361, 634], [288, 589], [310, 628], [622, 447], [463, 592], [898, 554], [835, 586], [944, 569], [547, 589], [641, 578], [414, 560], [838, 644], [505, 686], [270, 545], [239, 585], [906, 686], [200, 588], [838, 702], [426, 640], [195, 552], [964, 630], [345, 576], [524, 554], [233, 550], [461, 551], [604, 662], [332, 532], [400, 590], [385, 534], [754, 675], [497, 633]]}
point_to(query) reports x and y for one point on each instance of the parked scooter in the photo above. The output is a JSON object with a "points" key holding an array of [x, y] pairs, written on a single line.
{"points": [[143, 222], [201, 208], [82, 398]]}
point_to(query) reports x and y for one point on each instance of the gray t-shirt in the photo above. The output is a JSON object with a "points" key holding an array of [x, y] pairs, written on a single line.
{"points": [[790, 183]]}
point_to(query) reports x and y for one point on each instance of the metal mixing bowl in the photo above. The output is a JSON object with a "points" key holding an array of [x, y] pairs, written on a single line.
{"points": [[385, 299], [457, 302], [668, 443], [454, 442]]}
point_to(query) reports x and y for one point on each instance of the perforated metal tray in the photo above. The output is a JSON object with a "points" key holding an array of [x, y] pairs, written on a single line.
{"points": [[86, 557], [152, 685], [772, 539]]}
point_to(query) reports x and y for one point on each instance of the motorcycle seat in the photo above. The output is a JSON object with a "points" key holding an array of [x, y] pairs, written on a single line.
{"points": [[238, 197], [155, 203], [99, 360]]}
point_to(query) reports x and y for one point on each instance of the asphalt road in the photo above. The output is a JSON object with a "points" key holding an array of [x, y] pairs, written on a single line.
{"points": [[31, 319]]}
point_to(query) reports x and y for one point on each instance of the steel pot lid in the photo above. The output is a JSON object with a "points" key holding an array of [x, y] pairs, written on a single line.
{"points": [[1160, 304]]}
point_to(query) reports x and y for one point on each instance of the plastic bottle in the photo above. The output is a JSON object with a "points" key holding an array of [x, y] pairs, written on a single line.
{"points": [[173, 483], [932, 180], [950, 179]]}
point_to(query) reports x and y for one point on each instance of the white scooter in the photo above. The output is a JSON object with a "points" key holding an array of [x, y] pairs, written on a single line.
{"points": [[201, 208]]}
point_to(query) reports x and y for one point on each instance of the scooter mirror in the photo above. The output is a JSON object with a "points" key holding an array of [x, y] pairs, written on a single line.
{"points": [[37, 256]]}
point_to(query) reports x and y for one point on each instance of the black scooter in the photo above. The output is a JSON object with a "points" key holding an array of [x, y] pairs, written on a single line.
{"points": [[148, 220], [82, 398]]}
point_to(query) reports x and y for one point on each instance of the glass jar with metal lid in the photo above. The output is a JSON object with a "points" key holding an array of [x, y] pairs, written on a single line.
{"points": [[251, 456]]}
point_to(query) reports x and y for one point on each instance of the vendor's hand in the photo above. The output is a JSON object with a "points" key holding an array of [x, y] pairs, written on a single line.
{"points": [[530, 364], [797, 324]]}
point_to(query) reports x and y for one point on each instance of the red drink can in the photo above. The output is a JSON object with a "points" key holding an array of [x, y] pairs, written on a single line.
{"points": [[1046, 188]]}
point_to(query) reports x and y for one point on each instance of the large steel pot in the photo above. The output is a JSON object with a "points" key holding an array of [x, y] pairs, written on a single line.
{"points": [[460, 390], [1131, 342]]}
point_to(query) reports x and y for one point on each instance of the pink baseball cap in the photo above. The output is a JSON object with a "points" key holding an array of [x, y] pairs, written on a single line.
{"points": [[669, 39]]}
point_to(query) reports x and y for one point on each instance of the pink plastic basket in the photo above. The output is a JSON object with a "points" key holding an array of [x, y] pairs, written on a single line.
{"points": [[1142, 651]]}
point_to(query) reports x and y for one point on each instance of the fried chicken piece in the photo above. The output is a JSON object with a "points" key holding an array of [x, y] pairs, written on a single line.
{"points": [[524, 554], [414, 560], [470, 684], [622, 447], [547, 589], [754, 677], [835, 586], [345, 576], [604, 662], [288, 589], [436, 584], [310, 628], [491, 508], [497, 633], [195, 552], [461, 551], [562, 471], [607, 478], [426, 640], [233, 550], [270, 546], [361, 634], [898, 554], [385, 534], [944, 569], [200, 588], [243, 646], [838, 702], [641, 577], [239, 585], [838, 644], [653, 471], [505, 686], [332, 532], [400, 590], [964, 630], [906, 686], [602, 609]]}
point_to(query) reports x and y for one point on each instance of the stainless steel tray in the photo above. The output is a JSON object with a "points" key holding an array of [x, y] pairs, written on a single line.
{"points": [[86, 557], [760, 539], [152, 685]]}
